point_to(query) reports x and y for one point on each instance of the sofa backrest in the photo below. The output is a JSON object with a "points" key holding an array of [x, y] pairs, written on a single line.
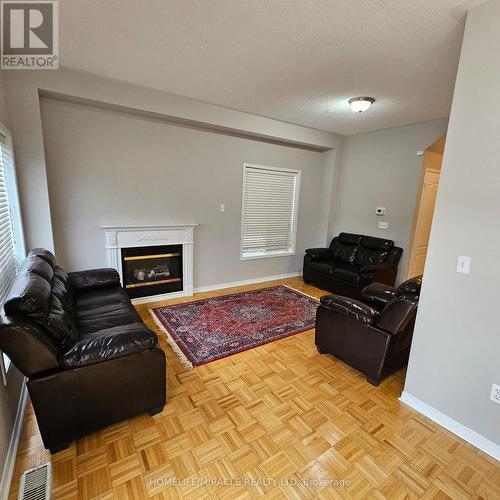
{"points": [[398, 314], [38, 321], [359, 250], [372, 251], [410, 287], [344, 247]]}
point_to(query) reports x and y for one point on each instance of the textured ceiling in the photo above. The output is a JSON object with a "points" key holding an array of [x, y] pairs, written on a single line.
{"points": [[293, 60]]}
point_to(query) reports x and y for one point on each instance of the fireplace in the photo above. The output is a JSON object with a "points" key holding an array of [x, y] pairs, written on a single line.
{"points": [[152, 270], [153, 239]]}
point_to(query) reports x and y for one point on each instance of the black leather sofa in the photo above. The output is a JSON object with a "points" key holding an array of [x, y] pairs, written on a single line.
{"points": [[89, 359], [373, 336], [352, 262]]}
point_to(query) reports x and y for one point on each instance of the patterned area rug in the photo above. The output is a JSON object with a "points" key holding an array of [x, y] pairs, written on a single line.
{"points": [[205, 330]]}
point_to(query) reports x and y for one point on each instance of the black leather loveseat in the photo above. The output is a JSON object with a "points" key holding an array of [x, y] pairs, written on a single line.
{"points": [[372, 335], [89, 358], [351, 262]]}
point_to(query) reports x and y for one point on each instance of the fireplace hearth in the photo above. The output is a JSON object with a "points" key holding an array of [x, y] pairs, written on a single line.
{"points": [[152, 270]]}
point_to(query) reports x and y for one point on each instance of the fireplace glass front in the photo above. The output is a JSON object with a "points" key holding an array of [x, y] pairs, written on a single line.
{"points": [[152, 270]]}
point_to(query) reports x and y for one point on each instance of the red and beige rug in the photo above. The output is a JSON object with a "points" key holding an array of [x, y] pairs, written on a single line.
{"points": [[205, 330]]}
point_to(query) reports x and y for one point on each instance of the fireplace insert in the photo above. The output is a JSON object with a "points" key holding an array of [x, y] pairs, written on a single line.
{"points": [[152, 270]]}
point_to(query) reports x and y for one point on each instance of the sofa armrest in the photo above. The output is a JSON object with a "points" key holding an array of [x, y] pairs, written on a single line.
{"points": [[94, 278], [394, 257], [318, 253], [108, 344], [350, 307]]}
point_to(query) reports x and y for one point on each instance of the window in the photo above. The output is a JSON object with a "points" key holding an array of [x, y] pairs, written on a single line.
{"points": [[269, 211], [11, 236]]}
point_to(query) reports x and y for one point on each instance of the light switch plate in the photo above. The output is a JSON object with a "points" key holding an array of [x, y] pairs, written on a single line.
{"points": [[383, 225], [495, 393], [463, 264]]}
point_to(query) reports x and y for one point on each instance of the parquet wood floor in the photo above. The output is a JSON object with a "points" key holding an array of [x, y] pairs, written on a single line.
{"points": [[280, 411]]}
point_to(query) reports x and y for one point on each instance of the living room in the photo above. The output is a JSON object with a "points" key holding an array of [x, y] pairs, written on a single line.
{"points": [[225, 199]]}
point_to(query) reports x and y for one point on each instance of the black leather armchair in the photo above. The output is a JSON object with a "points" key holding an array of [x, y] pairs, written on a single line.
{"points": [[373, 336], [89, 358], [352, 262]]}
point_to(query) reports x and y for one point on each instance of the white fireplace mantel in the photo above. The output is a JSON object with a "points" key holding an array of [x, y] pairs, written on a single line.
{"points": [[118, 237]]}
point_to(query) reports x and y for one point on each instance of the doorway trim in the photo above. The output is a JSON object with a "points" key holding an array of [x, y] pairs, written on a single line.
{"points": [[423, 170]]}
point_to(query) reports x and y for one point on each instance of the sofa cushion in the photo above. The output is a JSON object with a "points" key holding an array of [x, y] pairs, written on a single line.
{"points": [[343, 247], [376, 243], [349, 276], [105, 316], [63, 276], [350, 238], [322, 267], [34, 264], [372, 251], [30, 294], [60, 324], [43, 254], [94, 278], [61, 291], [93, 298]]}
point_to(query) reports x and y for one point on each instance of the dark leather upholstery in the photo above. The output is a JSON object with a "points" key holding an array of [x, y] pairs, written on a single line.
{"points": [[352, 262], [350, 307], [89, 358], [410, 287], [377, 294], [109, 344], [319, 253], [374, 338], [93, 279]]}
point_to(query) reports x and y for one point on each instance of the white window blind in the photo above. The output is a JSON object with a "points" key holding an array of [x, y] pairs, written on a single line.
{"points": [[11, 234], [269, 211], [8, 265]]}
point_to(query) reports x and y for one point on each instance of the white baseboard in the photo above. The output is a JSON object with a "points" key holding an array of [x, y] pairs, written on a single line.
{"points": [[160, 296], [472, 437], [10, 460], [252, 281]]}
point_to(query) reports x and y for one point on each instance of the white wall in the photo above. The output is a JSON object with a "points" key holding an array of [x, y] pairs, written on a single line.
{"points": [[456, 345], [382, 169], [109, 167]]}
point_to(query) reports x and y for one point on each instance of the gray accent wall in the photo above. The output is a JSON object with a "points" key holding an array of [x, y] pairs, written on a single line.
{"points": [[455, 353], [111, 167], [24, 88], [382, 169]]}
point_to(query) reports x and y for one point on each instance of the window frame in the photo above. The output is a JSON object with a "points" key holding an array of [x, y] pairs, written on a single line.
{"points": [[295, 215], [17, 229]]}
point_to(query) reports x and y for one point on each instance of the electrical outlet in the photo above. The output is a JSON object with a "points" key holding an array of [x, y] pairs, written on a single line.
{"points": [[383, 225], [495, 393], [222, 208]]}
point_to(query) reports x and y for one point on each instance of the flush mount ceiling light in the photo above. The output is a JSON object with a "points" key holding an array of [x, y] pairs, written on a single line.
{"points": [[360, 104]]}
